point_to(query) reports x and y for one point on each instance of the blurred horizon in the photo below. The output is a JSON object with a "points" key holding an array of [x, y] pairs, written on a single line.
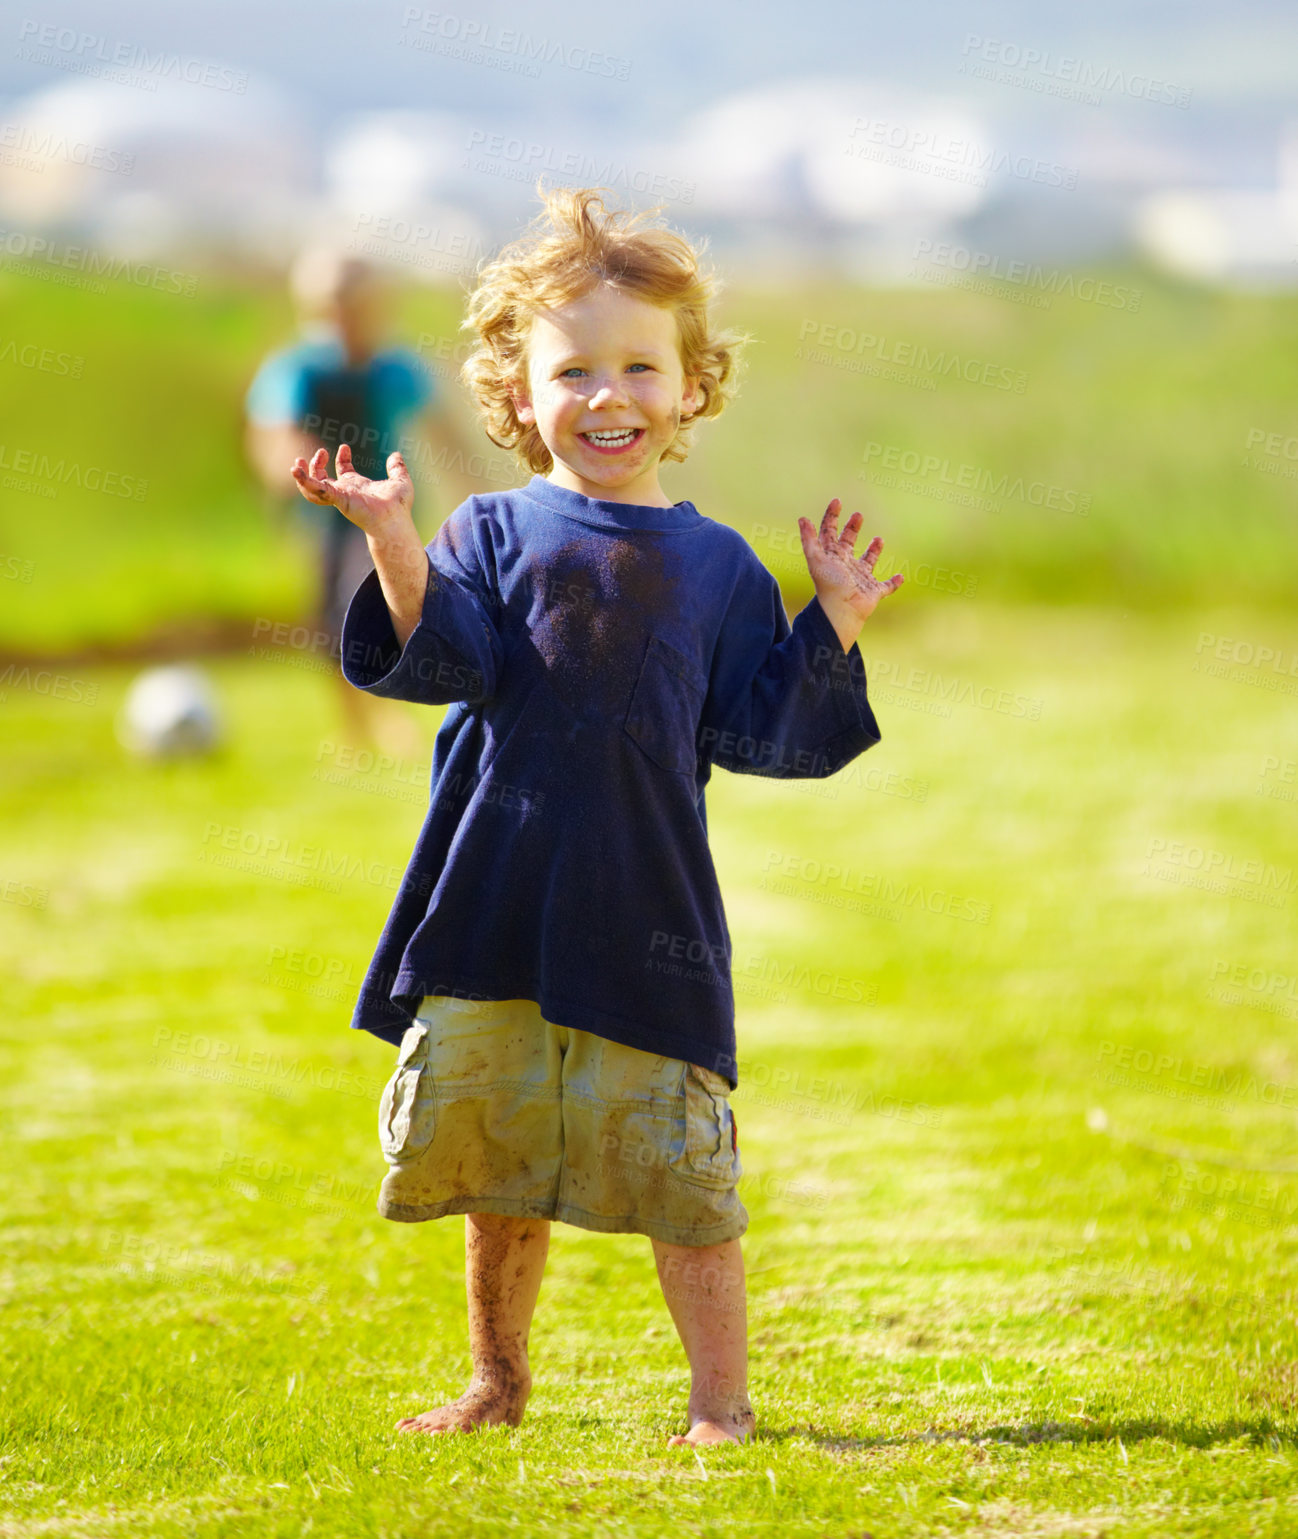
{"points": [[841, 140]]}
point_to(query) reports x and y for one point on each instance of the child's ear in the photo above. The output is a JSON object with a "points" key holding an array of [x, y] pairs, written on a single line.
{"points": [[522, 402], [691, 397]]}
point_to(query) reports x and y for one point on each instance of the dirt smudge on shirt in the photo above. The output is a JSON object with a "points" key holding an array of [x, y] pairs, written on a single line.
{"points": [[599, 599]]}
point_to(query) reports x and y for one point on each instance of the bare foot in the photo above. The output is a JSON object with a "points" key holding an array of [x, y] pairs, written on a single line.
{"points": [[481, 1406], [720, 1429]]}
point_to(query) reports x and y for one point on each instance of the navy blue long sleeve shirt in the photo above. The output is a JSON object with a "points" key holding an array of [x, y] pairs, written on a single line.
{"points": [[599, 658]]}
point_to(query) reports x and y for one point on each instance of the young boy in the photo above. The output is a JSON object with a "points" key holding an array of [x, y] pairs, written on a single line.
{"points": [[343, 382], [556, 965]]}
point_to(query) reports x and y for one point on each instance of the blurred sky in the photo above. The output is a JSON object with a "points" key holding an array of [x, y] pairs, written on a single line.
{"points": [[342, 53], [754, 105]]}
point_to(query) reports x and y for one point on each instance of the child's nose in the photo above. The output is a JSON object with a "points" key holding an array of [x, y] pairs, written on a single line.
{"points": [[608, 392]]}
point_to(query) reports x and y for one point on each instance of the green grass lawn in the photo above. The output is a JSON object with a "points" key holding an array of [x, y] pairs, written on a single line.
{"points": [[1017, 1110]]}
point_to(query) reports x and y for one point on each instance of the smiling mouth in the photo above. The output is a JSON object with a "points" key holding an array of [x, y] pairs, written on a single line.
{"points": [[612, 440]]}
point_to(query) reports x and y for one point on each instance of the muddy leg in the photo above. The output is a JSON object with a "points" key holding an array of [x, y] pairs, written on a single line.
{"points": [[704, 1289], [504, 1259]]}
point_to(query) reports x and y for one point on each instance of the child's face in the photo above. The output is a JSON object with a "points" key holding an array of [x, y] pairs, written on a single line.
{"points": [[606, 364]]}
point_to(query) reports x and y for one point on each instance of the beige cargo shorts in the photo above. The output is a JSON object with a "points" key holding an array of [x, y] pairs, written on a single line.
{"points": [[493, 1110]]}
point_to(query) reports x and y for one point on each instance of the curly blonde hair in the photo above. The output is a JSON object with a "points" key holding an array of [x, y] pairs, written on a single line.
{"points": [[571, 247]]}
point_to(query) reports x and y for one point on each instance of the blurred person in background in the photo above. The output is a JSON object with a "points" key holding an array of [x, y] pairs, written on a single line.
{"points": [[342, 382]]}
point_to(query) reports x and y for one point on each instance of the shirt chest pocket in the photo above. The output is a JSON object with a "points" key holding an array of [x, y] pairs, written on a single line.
{"points": [[666, 703]]}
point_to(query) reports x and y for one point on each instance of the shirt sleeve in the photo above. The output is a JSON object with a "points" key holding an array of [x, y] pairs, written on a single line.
{"points": [[278, 392], [784, 701], [404, 387], [454, 652], [416, 391]]}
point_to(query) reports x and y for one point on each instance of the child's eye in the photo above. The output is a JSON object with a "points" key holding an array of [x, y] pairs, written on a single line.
{"points": [[638, 366], [574, 370]]}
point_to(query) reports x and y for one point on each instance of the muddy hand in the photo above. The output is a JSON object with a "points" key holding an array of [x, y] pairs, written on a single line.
{"points": [[842, 578], [366, 503]]}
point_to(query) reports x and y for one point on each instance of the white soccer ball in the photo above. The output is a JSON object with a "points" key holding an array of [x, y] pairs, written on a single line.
{"points": [[169, 712]]}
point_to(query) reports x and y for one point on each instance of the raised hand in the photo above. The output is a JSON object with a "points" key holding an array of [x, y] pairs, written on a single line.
{"points": [[368, 504], [846, 585]]}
